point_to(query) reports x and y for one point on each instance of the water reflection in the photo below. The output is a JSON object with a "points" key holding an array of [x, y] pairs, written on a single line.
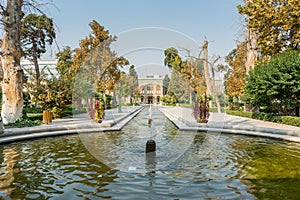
{"points": [[9, 159], [273, 170], [125, 150], [238, 167], [49, 168]]}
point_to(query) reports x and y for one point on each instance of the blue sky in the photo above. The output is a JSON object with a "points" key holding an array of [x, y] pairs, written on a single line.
{"points": [[216, 20]]}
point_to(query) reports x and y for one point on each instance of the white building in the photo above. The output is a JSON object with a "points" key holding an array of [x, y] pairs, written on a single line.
{"points": [[151, 88], [44, 65]]}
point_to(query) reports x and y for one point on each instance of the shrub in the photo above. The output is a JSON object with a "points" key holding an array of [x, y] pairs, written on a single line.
{"points": [[239, 113], [289, 120], [33, 110], [57, 112], [35, 116], [24, 123]]}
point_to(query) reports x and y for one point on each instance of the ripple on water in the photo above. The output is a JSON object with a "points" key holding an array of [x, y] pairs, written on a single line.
{"points": [[238, 167]]}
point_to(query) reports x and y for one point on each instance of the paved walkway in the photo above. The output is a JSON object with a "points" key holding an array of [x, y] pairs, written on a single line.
{"points": [[181, 117], [221, 122], [113, 121]]}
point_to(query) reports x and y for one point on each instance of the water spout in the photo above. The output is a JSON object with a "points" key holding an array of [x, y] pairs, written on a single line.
{"points": [[150, 145], [150, 116]]}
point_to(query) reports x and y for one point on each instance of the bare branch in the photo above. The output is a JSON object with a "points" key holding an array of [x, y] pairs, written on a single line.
{"points": [[33, 6], [2, 10], [199, 55], [186, 50]]}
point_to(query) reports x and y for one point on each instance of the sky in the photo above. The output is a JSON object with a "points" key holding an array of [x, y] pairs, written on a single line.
{"points": [[145, 28]]}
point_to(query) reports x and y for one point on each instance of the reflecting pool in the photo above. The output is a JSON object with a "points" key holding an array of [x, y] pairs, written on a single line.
{"points": [[238, 167]]}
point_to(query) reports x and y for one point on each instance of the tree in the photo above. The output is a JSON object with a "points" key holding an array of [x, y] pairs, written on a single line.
{"points": [[251, 45], [183, 72], [96, 66], [82, 67], [56, 92], [275, 23], [64, 64], [134, 75], [12, 85], [56, 95], [98, 35], [178, 84], [178, 87], [275, 83], [166, 83], [30, 82], [235, 81], [206, 68], [37, 31], [133, 78]]}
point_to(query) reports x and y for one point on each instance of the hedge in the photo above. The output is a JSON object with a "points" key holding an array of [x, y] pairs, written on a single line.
{"points": [[35, 116], [289, 120]]}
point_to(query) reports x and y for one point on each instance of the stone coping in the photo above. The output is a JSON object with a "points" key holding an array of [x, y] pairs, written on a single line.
{"points": [[184, 121], [77, 124], [80, 124]]}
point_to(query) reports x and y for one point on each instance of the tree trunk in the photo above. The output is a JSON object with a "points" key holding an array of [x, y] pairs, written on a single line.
{"points": [[205, 66], [37, 72], [12, 86], [251, 42], [251, 50], [36, 64]]}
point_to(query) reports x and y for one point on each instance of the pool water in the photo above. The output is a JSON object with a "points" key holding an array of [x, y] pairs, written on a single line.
{"points": [[65, 167]]}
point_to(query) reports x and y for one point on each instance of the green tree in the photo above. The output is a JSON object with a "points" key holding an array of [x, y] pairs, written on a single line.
{"points": [[56, 92], [64, 64], [37, 31], [30, 84], [178, 87], [166, 83], [275, 83], [275, 23], [133, 78], [56, 95], [134, 75]]}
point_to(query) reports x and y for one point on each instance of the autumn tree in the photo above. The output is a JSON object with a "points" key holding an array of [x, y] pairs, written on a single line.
{"points": [[235, 81], [81, 66], [98, 35], [37, 31], [97, 67], [189, 70], [275, 23]]}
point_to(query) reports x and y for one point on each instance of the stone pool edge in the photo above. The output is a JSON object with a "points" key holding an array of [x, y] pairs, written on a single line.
{"points": [[185, 125], [77, 128]]}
